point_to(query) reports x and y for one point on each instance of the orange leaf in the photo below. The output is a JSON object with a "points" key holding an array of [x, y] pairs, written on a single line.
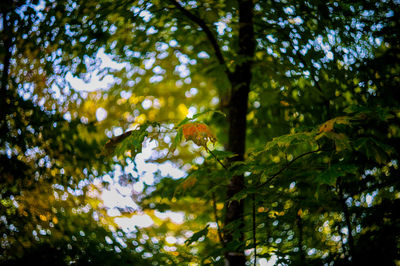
{"points": [[327, 126], [199, 133], [188, 183]]}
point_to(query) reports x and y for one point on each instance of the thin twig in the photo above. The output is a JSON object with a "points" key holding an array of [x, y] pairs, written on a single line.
{"points": [[216, 158], [221, 238], [286, 167]]}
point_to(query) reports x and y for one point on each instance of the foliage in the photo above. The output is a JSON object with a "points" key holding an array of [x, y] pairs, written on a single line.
{"points": [[316, 183]]}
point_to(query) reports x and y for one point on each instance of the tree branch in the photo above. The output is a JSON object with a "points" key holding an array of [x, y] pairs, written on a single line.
{"points": [[207, 31], [216, 158], [221, 238], [286, 167]]}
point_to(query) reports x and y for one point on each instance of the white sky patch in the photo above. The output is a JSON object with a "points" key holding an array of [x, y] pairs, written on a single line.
{"points": [[148, 63], [142, 165], [369, 198], [125, 191], [107, 62], [173, 43], [148, 178], [192, 111], [265, 262], [193, 91], [182, 70], [113, 212], [203, 55], [289, 10], [214, 100], [112, 198], [176, 217], [117, 131], [146, 104], [296, 20], [221, 26], [168, 169], [101, 114], [146, 15], [199, 160], [184, 59], [170, 240], [325, 46], [139, 220], [138, 187], [96, 82]]}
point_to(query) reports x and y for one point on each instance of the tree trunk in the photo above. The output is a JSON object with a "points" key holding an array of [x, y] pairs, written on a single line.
{"points": [[240, 82]]}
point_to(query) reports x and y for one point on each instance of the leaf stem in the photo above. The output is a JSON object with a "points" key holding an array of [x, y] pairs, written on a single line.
{"points": [[216, 158]]}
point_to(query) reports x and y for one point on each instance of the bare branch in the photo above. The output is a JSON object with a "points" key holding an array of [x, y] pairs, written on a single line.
{"points": [[202, 24]]}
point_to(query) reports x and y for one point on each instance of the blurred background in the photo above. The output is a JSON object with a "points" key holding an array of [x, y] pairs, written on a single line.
{"points": [[77, 74]]}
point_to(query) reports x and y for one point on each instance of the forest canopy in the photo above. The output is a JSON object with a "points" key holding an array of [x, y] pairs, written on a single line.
{"points": [[210, 132]]}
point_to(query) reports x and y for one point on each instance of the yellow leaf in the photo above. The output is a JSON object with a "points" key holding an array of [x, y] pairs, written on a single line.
{"points": [[300, 212], [327, 126], [140, 119], [276, 159], [250, 116], [284, 103], [43, 218], [182, 109]]}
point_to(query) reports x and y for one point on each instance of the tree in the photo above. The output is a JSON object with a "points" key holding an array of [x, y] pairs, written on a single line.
{"points": [[299, 96], [45, 159]]}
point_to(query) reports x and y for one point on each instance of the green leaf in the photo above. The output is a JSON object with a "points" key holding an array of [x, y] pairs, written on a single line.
{"points": [[242, 194], [187, 119], [184, 121], [222, 154], [239, 196], [330, 175], [220, 113], [134, 142], [177, 140], [196, 236], [374, 149]]}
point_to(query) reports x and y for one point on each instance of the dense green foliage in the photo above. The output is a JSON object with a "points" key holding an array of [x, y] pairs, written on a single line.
{"points": [[318, 180]]}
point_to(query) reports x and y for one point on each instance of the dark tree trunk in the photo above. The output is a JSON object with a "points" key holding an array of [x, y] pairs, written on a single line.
{"points": [[240, 81]]}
